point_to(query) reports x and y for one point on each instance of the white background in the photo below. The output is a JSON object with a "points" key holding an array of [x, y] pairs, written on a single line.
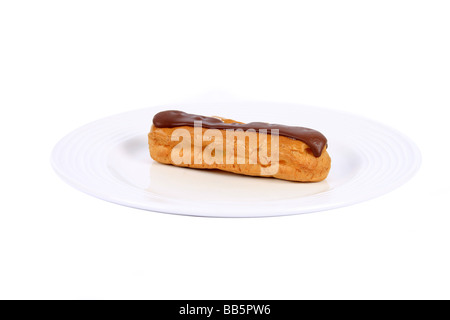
{"points": [[66, 63]]}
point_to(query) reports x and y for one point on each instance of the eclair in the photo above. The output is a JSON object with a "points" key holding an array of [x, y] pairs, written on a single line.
{"points": [[254, 149]]}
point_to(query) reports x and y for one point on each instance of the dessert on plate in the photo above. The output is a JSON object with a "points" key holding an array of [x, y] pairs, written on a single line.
{"points": [[255, 149]]}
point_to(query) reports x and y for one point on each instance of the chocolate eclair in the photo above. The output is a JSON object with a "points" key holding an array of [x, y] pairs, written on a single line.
{"points": [[256, 148]]}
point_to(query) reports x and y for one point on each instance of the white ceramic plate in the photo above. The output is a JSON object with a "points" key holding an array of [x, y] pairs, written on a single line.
{"points": [[109, 159]]}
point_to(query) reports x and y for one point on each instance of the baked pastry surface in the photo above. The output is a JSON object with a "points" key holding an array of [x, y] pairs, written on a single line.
{"points": [[296, 160]]}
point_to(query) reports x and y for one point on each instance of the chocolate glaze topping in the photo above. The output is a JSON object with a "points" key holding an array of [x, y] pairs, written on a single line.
{"points": [[173, 118]]}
